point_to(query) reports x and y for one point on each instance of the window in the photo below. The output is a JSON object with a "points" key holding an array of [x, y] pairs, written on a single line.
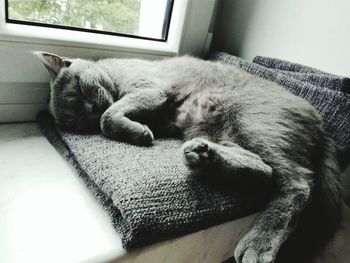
{"points": [[146, 19]]}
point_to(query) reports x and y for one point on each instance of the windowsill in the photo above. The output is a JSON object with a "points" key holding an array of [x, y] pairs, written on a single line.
{"points": [[63, 37]]}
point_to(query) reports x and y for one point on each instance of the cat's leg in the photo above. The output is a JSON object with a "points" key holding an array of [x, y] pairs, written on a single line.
{"points": [[119, 120], [229, 158], [262, 242], [276, 223]]}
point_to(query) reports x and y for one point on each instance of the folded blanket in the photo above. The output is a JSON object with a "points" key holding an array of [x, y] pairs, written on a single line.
{"points": [[147, 191], [305, 73], [333, 105]]}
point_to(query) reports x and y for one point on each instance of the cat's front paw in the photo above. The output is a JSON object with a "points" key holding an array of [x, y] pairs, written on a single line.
{"points": [[256, 247], [144, 136], [197, 153], [126, 130]]}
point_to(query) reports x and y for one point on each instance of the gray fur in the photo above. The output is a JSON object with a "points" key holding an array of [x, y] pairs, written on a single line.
{"points": [[233, 122]]}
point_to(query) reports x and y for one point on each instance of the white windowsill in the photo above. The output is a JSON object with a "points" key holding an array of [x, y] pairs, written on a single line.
{"points": [[63, 37]]}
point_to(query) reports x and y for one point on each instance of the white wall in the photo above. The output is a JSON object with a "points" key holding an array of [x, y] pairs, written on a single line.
{"points": [[313, 32]]}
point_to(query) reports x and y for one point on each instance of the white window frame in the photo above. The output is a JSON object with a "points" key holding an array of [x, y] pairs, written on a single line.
{"points": [[66, 37], [190, 18], [24, 87]]}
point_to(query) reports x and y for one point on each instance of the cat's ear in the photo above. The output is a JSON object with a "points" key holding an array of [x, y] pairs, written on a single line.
{"points": [[52, 62]]}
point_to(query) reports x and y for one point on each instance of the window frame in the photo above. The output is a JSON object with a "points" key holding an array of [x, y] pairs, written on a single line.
{"points": [[70, 38], [165, 30]]}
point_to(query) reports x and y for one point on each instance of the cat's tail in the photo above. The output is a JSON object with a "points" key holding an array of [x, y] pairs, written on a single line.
{"points": [[321, 218]]}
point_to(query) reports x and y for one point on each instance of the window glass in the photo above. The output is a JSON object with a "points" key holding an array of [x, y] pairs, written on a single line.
{"points": [[133, 18]]}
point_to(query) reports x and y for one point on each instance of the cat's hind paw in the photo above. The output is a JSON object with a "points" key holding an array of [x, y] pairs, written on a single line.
{"points": [[256, 248], [197, 153]]}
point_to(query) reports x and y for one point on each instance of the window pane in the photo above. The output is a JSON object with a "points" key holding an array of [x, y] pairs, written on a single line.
{"points": [[142, 18]]}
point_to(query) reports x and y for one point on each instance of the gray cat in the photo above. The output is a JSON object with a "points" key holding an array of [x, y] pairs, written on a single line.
{"points": [[231, 121]]}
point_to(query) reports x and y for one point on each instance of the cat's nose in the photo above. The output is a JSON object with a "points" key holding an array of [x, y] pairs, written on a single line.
{"points": [[91, 108]]}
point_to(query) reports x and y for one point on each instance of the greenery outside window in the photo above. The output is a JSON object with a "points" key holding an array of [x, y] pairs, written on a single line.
{"points": [[145, 19]]}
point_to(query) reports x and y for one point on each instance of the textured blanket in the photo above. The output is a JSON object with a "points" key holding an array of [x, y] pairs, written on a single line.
{"points": [[328, 93], [304, 73], [148, 192]]}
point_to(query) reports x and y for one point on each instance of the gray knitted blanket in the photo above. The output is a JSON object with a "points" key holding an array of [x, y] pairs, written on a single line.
{"points": [[147, 191], [328, 93], [304, 73]]}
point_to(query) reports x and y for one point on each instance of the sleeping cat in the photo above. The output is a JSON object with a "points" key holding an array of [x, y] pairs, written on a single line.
{"points": [[231, 121]]}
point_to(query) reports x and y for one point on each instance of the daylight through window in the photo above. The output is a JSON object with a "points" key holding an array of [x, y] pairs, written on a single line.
{"points": [[148, 19]]}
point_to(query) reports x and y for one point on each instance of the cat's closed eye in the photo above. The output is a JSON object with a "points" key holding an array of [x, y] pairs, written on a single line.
{"points": [[81, 91], [94, 109]]}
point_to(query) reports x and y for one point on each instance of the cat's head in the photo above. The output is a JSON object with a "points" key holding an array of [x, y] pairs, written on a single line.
{"points": [[80, 91]]}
